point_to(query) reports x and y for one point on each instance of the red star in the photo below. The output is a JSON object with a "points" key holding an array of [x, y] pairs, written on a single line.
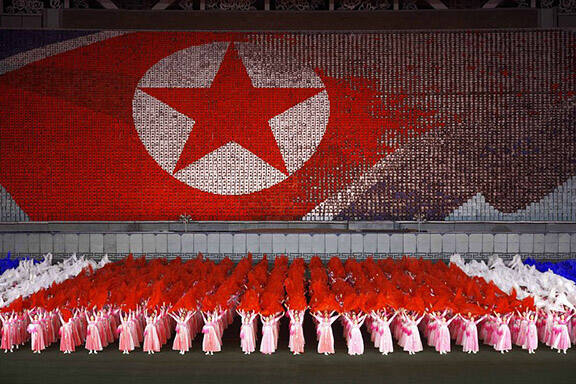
{"points": [[231, 110]]}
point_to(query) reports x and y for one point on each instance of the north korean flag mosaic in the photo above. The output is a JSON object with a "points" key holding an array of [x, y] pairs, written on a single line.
{"points": [[287, 126]]}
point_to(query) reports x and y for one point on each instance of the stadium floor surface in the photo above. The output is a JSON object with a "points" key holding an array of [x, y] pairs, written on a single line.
{"points": [[232, 366]]}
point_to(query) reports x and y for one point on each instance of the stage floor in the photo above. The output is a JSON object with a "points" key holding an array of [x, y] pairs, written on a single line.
{"points": [[232, 366]]}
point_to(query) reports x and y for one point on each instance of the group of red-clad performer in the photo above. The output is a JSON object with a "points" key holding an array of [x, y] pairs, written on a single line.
{"points": [[145, 304]]}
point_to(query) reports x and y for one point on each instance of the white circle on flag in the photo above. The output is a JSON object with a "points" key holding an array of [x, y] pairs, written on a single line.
{"points": [[230, 169]]}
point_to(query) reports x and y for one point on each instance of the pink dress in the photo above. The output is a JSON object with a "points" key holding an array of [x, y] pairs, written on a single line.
{"points": [[470, 338], [503, 336], [561, 337], [126, 341], [531, 336], [325, 335], [38, 344], [432, 328], [67, 338], [151, 339], [296, 342], [93, 339], [443, 335], [211, 340], [7, 332], [355, 341], [182, 340], [247, 334], [386, 344], [268, 346], [133, 325], [411, 340]]}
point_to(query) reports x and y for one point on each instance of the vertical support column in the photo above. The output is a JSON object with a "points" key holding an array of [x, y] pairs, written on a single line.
{"points": [[396, 5], [202, 5], [266, 5], [66, 3], [331, 5]]}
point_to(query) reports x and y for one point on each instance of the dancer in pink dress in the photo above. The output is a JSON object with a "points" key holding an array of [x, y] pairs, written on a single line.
{"points": [[296, 342], [7, 343], [561, 336], [134, 323], [211, 342], [324, 331], [383, 339], [470, 337], [247, 331], [67, 344], [442, 342], [503, 337], [93, 337], [182, 340], [411, 341], [126, 340], [35, 330], [151, 338], [269, 335], [432, 327], [531, 334], [355, 341]]}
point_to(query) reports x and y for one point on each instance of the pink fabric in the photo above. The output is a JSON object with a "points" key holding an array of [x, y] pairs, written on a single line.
{"points": [[411, 339], [530, 341], [93, 340], [38, 343], [126, 342], [151, 339], [442, 338], [182, 340], [211, 341], [66, 338], [470, 337], [267, 346], [503, 338], [561, 340]]}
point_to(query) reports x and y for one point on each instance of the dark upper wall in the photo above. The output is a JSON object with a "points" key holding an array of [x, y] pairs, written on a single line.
{"points": [[313, 20]]}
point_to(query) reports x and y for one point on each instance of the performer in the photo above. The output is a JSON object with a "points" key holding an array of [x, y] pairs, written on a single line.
{"points": [[411, 341], [247, 331], [211, 342], [442, 342], [66, 332], [296, 342], [355, 341], [324, 331], [182, 340], [470, 338], [561, 336], [151, 338], [93, 338], [126, 342]]}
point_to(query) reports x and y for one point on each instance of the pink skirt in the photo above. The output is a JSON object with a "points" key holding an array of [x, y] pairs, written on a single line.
{"points": [[93, 341], [67, 339]]}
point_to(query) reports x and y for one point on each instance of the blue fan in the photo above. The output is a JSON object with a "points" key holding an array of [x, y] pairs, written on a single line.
{"points": [[565, 268]]}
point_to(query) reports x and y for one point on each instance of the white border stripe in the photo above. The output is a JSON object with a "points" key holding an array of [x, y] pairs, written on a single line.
{"points": [[22, 59]]}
